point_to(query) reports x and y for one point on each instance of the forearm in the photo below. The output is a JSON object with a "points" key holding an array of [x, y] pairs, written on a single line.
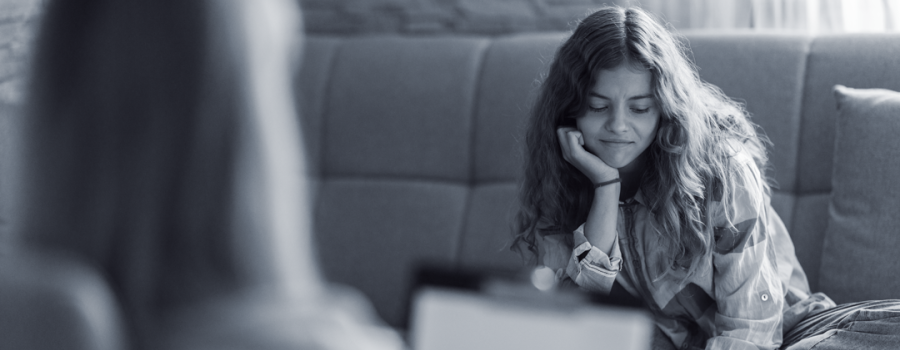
{"points": [[600, 227]]}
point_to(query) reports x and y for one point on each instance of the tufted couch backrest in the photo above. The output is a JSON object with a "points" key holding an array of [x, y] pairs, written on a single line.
{"points": [[416, 141]]}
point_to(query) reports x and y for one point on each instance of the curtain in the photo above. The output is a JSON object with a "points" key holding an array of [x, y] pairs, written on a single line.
{"points": [[812, 16]]}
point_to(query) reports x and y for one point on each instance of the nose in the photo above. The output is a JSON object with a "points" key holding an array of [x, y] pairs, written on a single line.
{"points": [[616, 122]]}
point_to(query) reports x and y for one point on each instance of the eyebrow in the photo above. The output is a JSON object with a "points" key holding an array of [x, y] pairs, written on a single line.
{"points": [[630, 98]]}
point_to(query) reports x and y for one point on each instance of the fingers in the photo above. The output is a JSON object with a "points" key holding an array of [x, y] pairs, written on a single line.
{"points": [[574, 138], [570, 141]]}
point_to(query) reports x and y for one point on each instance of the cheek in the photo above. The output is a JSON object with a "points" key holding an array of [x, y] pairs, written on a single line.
{"points": [[587, 124], [580, 124], [653, 127], [649, 131]]}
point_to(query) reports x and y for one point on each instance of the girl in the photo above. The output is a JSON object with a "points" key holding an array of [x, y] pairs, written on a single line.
{"points": [[644, 180]]}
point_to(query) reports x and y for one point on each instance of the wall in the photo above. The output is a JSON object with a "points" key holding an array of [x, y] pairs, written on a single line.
{"points": [[18, 20], [490, 17]]}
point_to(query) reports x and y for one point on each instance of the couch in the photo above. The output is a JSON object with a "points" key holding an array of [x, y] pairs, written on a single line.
{"points": [[417, 141], [415, 147]]}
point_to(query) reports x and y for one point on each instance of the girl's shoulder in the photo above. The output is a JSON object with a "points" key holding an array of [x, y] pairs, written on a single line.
{"points": [[742, 193], [739, 151]]}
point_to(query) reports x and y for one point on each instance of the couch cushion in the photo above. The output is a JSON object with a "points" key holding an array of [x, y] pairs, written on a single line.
{"points": [[766, 72], [372, 233], [808, 232], [46, 290], [863, 233], [310, 85], [509, 83], [488, 228], [859, 60], [402, 107], [783, 203]]}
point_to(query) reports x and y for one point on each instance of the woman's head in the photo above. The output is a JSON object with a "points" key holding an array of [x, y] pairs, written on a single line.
{"points": [[616, 37], [160, 145], [621, 117], [626, 50]]}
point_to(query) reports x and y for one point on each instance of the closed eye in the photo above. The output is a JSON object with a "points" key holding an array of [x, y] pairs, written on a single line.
{"points": [[597, 110], [641, 111]]}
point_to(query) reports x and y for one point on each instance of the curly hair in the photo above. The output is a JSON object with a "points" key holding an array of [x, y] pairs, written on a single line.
{"points": [[690, 160]]}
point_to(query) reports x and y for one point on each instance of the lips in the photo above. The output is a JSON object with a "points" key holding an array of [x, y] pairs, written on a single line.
{"points": [[616, 143]]}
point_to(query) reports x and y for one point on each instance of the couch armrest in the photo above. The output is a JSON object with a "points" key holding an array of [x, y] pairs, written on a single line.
{"points": [[51, 302]]}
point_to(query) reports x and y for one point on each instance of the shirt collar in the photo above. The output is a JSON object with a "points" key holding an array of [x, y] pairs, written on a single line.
{"points": [[638, 198]]}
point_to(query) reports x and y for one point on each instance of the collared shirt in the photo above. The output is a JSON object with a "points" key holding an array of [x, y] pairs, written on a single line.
{"points": [[750, 290]]}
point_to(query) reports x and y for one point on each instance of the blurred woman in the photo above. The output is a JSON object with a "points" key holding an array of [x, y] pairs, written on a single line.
{"points": [[161, 147]]}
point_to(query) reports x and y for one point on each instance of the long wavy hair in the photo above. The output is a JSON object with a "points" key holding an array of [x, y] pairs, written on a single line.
{"points": [[690, 161]]}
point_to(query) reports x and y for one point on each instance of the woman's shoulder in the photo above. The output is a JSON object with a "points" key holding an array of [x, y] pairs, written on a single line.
{"points": [[742, 192], [745, 166], [741, 152]]}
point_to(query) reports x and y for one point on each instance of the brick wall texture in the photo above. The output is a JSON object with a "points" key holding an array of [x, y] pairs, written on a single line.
{"points": [[482, 17], [18, 22]]}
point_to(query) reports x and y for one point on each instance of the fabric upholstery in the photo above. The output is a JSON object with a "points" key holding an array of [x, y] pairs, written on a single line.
{"points": [[402, 107], [506, 93], [488, 229], [860, 60], [766, 73], [373, 233], [63, 296], [863, 227], [783, 203], [808, 232], [311, 86]]}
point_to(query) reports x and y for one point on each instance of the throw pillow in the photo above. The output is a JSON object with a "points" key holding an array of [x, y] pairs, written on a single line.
{"points": [[861, 254]]}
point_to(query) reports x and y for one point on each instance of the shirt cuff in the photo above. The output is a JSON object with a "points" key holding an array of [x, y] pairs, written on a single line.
{"points": [[591, 268]]}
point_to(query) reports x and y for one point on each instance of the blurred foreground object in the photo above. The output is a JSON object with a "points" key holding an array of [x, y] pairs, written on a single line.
{"points": [[480, 309], [159, 195]]}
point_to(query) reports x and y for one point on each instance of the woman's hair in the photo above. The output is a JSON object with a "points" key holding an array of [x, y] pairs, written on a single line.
{"points": [[690, 158], [160, 146]]}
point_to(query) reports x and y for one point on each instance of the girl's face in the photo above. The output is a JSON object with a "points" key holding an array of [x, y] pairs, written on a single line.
{"points": [[622, 116]]}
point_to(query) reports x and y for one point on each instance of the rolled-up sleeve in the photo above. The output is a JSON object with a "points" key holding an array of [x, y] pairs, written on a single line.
{"points": [[591, 268]]}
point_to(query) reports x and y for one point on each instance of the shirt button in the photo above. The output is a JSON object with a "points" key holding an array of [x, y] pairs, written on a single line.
{"points": [[765, 297]]}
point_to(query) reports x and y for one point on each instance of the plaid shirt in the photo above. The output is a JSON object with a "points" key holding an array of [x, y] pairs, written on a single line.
{"points": [[750, 290]]}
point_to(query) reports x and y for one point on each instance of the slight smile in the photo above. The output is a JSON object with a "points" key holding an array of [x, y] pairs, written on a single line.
{"points": [[616, 143]]}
